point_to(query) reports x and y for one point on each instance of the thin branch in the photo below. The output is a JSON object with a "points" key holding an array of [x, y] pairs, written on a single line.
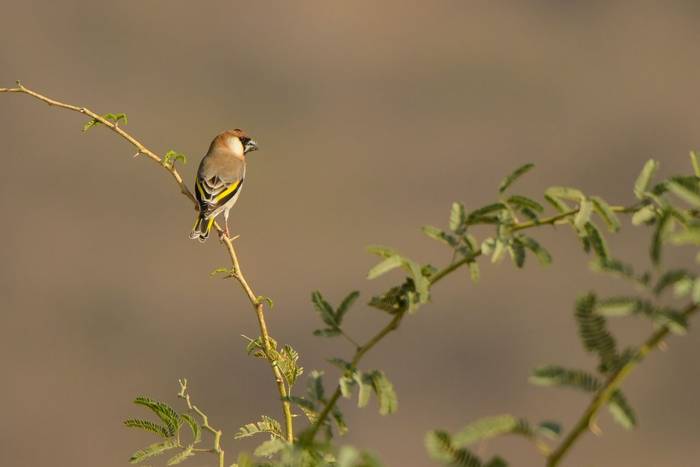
{"points": [[265, 335], [438, 276], [603, 395], [558, 218], [362, 350], [184, 394], [359, 353], [228, 243]]}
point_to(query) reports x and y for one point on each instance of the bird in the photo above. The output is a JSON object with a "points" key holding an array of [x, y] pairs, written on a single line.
{"points": [[220, 178]]}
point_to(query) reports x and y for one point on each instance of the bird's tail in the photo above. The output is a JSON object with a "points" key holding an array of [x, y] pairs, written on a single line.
{"points": [[201, 229]]}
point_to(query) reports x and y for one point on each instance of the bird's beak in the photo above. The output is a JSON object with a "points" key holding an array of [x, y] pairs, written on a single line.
{"points": [[250, 146]]}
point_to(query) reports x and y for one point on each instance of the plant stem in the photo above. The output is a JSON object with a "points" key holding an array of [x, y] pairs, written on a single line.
{"points": [[394, 323], [603, 395], [359, 353], [454, 266], [264, 334], [170, 168], [561, 216], [362, 350], [184, 394]]}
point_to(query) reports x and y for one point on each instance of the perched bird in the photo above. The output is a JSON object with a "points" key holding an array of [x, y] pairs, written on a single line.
{"points": [[220, 178]]}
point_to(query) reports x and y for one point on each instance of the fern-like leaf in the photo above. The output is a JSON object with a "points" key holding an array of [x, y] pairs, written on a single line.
{"points": [[148, 426], [552, 375], [593, 332], [166, 413], [621, 411], [152, 450], [440, 448], [194, 427], [517, 173], [388, 402], [181, 456], [265, 425]]}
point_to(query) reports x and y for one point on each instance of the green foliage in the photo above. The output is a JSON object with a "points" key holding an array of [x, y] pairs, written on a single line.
{"points": [[227, 272], [182, 455], [288, 362], [454, 449], [167, 414], [506, 219], [695, 163], [114, 118], [386, 395], [644, 178], [414, 293], [644, 215], [523, 202], [333, 318], [485, 215], [603, 209], [173, 156], [351, 457], [686, 188], [194, 427], [170, 432], [593, 333], [458, 217], [540, 253], [621, 411], [440, 448], [269, 448], [552, 375], [551, 430], [286, 359], [152, 450], [147, 425], [596, 241], [517, 173], [490, 427], [266, 425]]}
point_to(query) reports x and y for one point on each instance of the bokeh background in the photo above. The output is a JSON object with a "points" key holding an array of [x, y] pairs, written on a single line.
{"points": [[372, 118]]}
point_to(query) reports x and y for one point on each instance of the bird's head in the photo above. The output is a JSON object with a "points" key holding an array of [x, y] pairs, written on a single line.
{"points": [[237, 141], [249, 145]]}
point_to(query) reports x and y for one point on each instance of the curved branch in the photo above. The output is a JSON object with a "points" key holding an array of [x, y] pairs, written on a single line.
{"points": [[228, 243], [439, 275], [362, 350]]}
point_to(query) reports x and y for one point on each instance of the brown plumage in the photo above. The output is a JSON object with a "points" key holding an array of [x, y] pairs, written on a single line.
{"points": [[220, 179]]}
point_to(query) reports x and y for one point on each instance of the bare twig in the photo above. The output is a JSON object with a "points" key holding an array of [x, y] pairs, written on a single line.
{"points": [[184, 394], [170, 168]]}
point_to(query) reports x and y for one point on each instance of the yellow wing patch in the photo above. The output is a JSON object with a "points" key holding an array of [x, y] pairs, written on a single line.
{"points": [[227, 191]]}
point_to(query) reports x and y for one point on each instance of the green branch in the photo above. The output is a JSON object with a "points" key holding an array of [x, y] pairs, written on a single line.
{"points": [[436, 277], [603, 395], [563, 216], [362, 350]]}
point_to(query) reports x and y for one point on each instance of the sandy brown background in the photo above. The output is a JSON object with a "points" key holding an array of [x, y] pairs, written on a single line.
{"points": [[372, 118]]}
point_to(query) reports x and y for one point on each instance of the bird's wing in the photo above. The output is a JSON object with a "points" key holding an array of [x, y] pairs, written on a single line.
{"points": [[219, 178]]}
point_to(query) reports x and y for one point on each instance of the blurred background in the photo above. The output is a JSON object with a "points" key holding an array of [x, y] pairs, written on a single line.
{"points": [[372, 117]]}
